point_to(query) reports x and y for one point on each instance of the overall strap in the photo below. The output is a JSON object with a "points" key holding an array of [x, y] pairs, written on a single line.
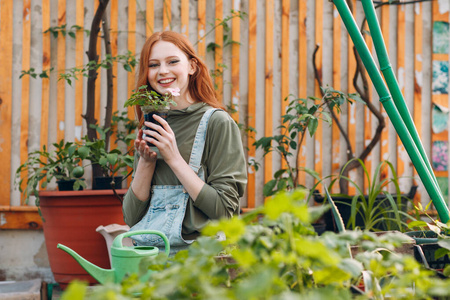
{"points": [[199, 141]]}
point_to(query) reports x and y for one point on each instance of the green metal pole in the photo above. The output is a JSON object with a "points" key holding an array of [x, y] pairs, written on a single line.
{"points": [[386, 99], [391, 80]]}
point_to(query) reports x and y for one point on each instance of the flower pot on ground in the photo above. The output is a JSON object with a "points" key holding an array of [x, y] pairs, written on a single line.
{"points": [[62, 164], [71, 218], [383, 210]]}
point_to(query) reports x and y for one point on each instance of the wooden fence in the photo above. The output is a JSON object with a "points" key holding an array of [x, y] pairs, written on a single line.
{"points": [[263, 57]]}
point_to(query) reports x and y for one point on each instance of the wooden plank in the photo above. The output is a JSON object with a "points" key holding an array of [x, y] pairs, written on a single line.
{"points": [[351, 89], [69, 89], [13, 104], [45, 66], [285, 10], [302, 76], [113, 20], [359, 115], [407, 181], [393, 44], [268, 101], [226, 56], [20, 219], [25, 83], [53, 126], [185, 18], [6, 58], [401, 75], [167, 15], [61, 66], [201, 45], [79, 54], [427, 71], [218, 51], [368, 116], [235, 49], [418, 82], [251, 110], [310, 82], [150, 16], [327, 79], [122, 47], [101, 76], [385, 28], [132, 48], [344, 87], [336, 68], [376, 154], [318, 148], [34, 123]]}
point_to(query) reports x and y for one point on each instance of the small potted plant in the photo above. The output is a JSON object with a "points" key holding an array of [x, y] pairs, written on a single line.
{"points": [[152, 103], [111, 162], [62, 164]]}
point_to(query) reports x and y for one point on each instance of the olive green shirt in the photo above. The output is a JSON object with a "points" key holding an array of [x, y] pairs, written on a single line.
{"points": [[223, 161]]}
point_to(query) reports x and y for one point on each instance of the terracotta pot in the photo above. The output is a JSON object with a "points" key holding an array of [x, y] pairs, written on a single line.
{"points": [[71, 218]]}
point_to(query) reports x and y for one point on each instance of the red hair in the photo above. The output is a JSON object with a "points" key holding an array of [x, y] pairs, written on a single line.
{"points": [[200, 85]]}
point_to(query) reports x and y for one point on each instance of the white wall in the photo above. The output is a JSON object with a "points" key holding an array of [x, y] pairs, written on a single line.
{"points": [[23, 256]]}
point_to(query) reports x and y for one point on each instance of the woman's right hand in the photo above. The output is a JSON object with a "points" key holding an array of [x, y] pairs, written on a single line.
{"points": [[143, 149]]}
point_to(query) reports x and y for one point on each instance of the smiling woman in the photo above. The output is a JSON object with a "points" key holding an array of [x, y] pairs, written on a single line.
{"points": [[196, 169]]}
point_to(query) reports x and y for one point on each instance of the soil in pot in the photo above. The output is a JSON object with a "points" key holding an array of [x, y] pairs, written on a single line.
{"points": [[66, 185], [148, 117], [105, 183]]}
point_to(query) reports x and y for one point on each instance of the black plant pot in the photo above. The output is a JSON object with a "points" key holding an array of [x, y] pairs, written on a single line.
{"points": [[148, 117], [343, 204], [66, 185], [105, 183]]}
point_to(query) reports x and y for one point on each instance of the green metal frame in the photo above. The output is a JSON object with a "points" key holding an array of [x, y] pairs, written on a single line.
{"points": [[397, 111]]}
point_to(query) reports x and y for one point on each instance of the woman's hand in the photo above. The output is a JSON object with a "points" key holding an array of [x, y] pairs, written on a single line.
{"points": [[164, 139], [143, 149]]}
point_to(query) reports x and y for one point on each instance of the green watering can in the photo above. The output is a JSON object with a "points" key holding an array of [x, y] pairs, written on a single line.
{"points": [[124, 260]]}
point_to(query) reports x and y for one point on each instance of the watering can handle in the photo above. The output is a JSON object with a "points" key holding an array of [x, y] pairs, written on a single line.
{"points": [[118, 240]]}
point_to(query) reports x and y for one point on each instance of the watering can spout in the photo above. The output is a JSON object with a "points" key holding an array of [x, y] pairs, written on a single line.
{"points": [[100, 274]]}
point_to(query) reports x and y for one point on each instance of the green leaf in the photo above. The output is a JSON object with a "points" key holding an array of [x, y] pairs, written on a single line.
{"points": [[127, 67], [312, 126], [103, 161], [112, 158], [83, 152], [268, 187]]}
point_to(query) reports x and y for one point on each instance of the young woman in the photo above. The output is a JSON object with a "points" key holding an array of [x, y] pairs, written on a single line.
{"points": [[188, 183]]}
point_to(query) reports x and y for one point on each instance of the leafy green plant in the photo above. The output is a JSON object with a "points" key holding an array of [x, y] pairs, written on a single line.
{"points": [[274, 253], [111, 162], [150, 100], [43, 166], [302, 116], [377, 209]]}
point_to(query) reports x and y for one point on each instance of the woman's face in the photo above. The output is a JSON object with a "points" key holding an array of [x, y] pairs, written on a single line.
{"points": [[169, 67]]}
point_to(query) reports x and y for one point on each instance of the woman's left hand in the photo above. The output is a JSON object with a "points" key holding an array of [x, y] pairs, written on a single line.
{"points": [[163, 138]]}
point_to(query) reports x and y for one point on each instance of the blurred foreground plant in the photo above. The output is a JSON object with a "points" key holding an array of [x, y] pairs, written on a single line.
{"points": [[274, 253]]}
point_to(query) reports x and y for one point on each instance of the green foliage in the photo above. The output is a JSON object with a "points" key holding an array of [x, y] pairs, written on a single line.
{"points": [[111, 161], [149, 100], [274, 253], [377, 208], [63, 163], [302, 116], [55, 30], [128, 62]]}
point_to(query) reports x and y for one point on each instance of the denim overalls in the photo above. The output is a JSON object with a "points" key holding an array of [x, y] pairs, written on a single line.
{"points": [[168, 202]]}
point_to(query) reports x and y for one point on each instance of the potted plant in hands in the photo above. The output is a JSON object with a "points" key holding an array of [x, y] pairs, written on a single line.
{"points": [[151, 103], [41, 167]]}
